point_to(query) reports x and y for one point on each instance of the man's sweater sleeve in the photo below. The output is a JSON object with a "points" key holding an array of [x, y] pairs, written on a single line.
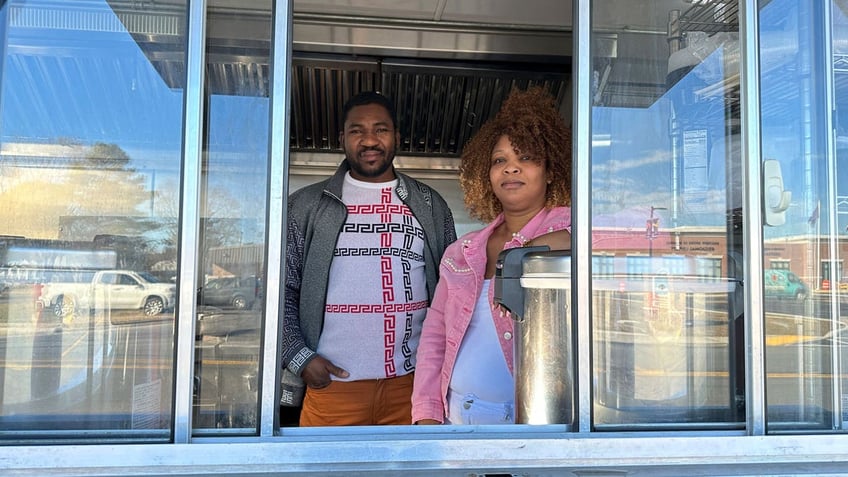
{"points": [[295, 353]]}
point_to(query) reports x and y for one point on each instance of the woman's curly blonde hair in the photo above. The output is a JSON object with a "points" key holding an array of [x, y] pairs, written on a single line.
{"points": [[534, 126]]}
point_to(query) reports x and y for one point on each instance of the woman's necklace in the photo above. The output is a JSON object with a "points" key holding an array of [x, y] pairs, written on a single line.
{"points": [[524, 240]]}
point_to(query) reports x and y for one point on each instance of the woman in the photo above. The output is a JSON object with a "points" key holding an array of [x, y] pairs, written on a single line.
{"points": [[515, 175]]}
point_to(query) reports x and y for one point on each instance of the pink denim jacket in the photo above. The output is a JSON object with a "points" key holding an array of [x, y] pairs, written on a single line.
{"points": [[462, 271]]}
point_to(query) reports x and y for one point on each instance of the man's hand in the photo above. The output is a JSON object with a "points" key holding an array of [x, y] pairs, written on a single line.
{"points": [[317, 373]]}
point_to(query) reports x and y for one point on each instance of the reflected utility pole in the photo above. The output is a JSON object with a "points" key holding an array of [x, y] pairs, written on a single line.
{"points": [[652, 229]]}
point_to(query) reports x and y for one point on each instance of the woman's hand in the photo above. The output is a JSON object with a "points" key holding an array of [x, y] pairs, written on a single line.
{"points": [[427, 422]]}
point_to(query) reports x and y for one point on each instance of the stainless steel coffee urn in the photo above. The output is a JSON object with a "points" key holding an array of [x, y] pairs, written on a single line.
{"points": [[534, 285]]}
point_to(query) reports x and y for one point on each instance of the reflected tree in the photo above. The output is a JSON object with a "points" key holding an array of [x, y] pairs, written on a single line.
{"points": [[220, 219], [107, 197], [79, 192]]}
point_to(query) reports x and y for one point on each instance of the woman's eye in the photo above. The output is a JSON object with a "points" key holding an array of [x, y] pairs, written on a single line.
{"points": [[498, 160], [525, 158]]}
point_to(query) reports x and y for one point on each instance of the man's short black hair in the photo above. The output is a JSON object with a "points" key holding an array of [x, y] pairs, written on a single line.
{"points": [[370, 97]]}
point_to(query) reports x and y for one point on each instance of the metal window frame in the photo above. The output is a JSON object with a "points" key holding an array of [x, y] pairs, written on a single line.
{"points": [[426, 450], [752, 210], [839, 421], [189, 221], [281, 54], [581, 209]]}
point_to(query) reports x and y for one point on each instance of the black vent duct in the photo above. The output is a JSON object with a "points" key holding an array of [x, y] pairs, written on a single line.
{"points": [[440, 104]]}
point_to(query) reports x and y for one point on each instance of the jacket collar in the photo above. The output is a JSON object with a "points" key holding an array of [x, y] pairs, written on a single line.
{"points": [[531, 230], [335, 184]]}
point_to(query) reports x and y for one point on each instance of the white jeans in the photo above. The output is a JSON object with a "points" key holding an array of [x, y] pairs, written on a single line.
{"points": [[469, 409]]}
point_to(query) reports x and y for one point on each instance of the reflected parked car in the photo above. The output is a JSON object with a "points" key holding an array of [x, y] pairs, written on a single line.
{"points": [[781, 283], [240, 293]]}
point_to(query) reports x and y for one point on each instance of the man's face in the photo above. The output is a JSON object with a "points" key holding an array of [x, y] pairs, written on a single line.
{"points": [[369, 139]]}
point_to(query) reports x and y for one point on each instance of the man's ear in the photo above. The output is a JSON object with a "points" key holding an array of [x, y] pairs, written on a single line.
{"points": [[341, 138]]}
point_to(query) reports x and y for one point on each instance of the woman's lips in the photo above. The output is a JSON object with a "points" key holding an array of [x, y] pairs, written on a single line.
{"points": [[511, 184]]}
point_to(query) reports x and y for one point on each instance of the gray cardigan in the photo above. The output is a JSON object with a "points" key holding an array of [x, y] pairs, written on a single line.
{"points": [[316, 215]]}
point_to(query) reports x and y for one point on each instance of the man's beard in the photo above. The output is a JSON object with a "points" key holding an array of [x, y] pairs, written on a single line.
{"points": [[389, 156]]}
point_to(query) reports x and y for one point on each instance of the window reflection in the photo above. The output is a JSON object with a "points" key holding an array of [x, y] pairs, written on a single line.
{"points": [[90, 144], [234, 180], [666, 215], [801, 329]]}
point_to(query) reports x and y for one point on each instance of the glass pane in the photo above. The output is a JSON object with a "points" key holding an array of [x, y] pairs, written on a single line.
{"points": [[231, 276], [666, 216], [797, 278], [89, 199], [834, 270]]}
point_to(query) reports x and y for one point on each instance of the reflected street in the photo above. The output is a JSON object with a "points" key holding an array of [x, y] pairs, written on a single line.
{"points": [[95, 370]]}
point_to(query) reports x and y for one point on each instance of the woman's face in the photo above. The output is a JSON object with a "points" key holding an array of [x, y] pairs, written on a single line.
{"points": [[517, 180]]}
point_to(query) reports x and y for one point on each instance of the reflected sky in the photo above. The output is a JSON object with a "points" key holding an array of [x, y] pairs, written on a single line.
{"points": [[64, 85], [67, 85], [75, 77], [682, 153]]}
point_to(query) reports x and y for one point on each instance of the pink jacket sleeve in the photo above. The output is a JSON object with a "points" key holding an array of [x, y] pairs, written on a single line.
{"points": [[427, 402]]}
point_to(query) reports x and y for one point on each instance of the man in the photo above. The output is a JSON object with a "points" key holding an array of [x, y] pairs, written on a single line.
{"points": [[361, 267]]}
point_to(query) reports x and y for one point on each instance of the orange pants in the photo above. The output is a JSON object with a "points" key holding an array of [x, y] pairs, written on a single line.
{"points": [[359, 403]]}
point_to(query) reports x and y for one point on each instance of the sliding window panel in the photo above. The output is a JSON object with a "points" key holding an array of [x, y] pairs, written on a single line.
{"points": [[91, 98], [234, 197], [836, 271], [799, 278], [666, 216]]}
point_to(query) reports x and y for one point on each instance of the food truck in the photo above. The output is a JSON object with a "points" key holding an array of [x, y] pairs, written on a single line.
{"points": [[707, 157]]}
